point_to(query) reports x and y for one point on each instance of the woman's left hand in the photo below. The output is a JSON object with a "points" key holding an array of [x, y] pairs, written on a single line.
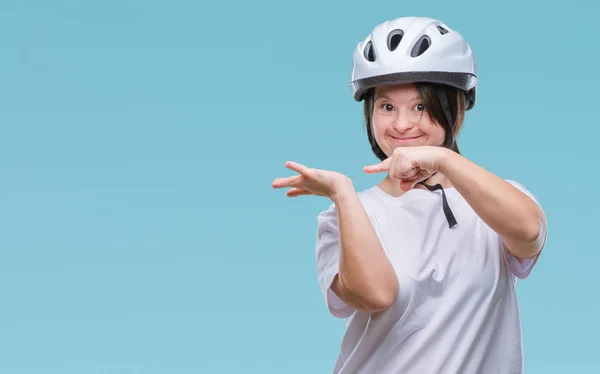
{"points": [[410, 165]]}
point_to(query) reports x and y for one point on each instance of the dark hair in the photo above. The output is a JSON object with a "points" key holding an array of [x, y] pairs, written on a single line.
{"points": [[430, 94]]}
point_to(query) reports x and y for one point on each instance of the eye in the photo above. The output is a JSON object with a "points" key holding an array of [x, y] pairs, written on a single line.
{"points": [[420, 107], [387, 107]]}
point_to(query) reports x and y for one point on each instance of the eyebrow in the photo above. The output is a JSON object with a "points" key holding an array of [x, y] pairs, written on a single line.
{"points": [[384, 96]]}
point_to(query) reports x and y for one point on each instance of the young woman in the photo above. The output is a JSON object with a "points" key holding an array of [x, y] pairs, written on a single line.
{"points": [[423, 265]]}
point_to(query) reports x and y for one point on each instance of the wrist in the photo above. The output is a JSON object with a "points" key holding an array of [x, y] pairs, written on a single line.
{"points": [[444, 159], [342, 188]]}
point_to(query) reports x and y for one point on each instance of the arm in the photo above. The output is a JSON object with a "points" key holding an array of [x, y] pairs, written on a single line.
{"points": [[366, 279], [513, 215], [362, 275]]}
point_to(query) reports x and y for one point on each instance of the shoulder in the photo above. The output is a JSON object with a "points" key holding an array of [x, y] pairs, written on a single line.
{"points": [[523, 189], [366, 196], [327, 218], [516, 184]]}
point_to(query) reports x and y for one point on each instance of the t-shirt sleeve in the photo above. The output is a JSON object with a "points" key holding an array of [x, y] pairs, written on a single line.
{"points": [[521, 268], [328, 260]]}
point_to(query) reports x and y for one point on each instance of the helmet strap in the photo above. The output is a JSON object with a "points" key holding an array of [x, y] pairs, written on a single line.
{"points": [[445, 207]]}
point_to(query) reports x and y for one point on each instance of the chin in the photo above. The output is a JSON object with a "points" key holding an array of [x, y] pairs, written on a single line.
{"points": [[406, 143]]}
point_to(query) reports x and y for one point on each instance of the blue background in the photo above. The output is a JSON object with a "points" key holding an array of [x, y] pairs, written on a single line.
{"points": [[138, 229]]}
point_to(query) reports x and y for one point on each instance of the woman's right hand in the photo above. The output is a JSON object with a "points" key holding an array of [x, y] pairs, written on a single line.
{"points": [[313, 182]]}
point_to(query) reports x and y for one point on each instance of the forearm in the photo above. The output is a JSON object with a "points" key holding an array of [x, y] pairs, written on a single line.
{"points": [[366, 277], [505, 209]]}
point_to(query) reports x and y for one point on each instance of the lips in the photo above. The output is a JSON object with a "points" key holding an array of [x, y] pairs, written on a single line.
{"points": [[405, 138]]}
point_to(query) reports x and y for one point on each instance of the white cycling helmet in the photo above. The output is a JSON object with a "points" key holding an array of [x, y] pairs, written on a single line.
{"points": [[414, 49]]}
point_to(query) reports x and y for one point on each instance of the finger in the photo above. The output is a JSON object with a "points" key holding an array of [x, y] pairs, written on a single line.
{"points": [[378, 168], [293, 181], [297, 167], [404, 170], [294, 192], [407, 185]]}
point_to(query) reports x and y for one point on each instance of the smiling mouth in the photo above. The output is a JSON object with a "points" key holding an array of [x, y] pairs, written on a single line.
{"points": [[406, 138]]}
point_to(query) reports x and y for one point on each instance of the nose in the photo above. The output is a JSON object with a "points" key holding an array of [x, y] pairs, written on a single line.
{"points": [[404, 121]]}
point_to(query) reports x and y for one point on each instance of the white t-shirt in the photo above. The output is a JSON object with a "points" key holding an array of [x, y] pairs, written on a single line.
{"points": [[457, 309]]}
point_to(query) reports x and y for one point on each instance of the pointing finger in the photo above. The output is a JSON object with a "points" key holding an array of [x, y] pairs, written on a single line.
{"points": [[380, 167]]}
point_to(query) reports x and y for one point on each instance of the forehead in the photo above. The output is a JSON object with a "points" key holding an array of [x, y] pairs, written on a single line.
{"points": [[398, 92]]}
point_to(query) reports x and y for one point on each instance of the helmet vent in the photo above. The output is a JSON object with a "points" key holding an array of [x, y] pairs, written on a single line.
{"points": [[421, 46], [368, 52], [394, 39], [442, 30]]}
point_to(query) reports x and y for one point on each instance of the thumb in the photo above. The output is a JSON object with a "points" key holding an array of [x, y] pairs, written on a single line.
{"points": [[380, 167], [408, 184]]}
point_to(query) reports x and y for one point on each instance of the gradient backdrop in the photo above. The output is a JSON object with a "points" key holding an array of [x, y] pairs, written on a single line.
{"points": [[138, 229]]}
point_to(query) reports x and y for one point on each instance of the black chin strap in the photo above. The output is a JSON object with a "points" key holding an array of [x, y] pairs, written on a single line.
{"points": [[443, 98], [447, 212]]}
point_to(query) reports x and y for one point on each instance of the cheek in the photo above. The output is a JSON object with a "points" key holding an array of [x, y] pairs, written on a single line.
{"points": [[381, 124], [436, 133], [378, 128]]}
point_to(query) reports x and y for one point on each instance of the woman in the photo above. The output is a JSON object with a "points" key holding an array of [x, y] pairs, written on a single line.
{"points": [[422, 265]]}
